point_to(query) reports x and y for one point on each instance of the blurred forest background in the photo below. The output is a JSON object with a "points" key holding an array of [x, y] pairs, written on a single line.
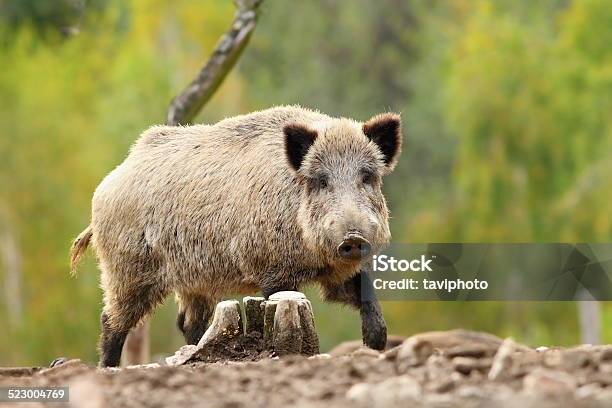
{"points": [[507, 110]]}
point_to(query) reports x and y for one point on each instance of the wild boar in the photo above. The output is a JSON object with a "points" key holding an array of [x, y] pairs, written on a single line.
{"points": [[267, 201]]}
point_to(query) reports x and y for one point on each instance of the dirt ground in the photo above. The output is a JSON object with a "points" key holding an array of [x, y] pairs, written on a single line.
{"points": [[435, 369]]}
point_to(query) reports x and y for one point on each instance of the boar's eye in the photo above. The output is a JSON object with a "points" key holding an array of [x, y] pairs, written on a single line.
{"points": [[367, 177], [318, 182], [322, 182]]}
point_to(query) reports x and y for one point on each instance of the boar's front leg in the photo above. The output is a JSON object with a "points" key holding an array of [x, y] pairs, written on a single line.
{"points": [[359, 293]]}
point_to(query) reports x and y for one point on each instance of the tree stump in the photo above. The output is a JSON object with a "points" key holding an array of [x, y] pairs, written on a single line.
{"points": [[285, 321], [289, 324], [253, 315], [226, 323], [287, 328]]}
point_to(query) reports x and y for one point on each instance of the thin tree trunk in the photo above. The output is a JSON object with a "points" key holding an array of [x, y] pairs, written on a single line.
{"points": [[188, 103], [589, 316], [136, 349], [184, 108], [10, 257]]}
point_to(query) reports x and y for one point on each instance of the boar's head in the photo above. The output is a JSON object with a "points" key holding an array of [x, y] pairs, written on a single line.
{"points": [[339, 165]]}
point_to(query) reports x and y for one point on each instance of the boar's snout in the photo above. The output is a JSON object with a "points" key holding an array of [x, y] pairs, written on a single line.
{"points": [[354, 247]]}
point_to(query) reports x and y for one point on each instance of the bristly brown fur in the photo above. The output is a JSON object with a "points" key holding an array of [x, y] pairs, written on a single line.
{"points": [[385, 131]]}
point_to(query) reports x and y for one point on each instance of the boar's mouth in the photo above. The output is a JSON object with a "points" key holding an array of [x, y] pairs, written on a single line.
{"points": [[354, 247]]}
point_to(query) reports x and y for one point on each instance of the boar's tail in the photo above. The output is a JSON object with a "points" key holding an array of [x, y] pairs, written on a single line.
{"points": [[79, 246]]}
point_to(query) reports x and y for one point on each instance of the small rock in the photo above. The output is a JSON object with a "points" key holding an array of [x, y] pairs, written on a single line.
{"points": [[605, 368], [70, 365], [469, 350], [86, 392], [605, 396], [394, 340], [606, 353], [525, 360], [569, 360], [448, 400], [177, 380], [322, 356], [390, 354], [395, 391], [552, 383], [466, 365], [413, 352], [502, 363], [392, 347], [471, 392], [588, 391], [366, 352], [182, 355], [605, 379], [18, 371], [441, 386], [457, 377], [360, 393], [440, 369], [458, 339], [144, 366]]}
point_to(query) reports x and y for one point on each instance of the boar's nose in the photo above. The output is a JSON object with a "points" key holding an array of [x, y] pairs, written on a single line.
{"points": [[354, 247]]}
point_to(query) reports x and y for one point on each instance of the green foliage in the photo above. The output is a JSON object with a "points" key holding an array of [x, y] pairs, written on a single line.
{"points": [[531, 111], [506, 108], [48, 18], [527, 99]]}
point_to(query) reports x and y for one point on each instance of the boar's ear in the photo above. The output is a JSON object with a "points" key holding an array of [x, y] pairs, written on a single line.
{"points": [[298, 139], [386, 131]]}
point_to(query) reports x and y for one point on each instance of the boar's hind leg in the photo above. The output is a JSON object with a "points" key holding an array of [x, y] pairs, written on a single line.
{"points": [[359, 293], [111, 343], [194, 313], [123, 309]]}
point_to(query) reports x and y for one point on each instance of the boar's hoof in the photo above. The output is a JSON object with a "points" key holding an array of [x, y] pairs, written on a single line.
{"points": [[289, 324]]}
